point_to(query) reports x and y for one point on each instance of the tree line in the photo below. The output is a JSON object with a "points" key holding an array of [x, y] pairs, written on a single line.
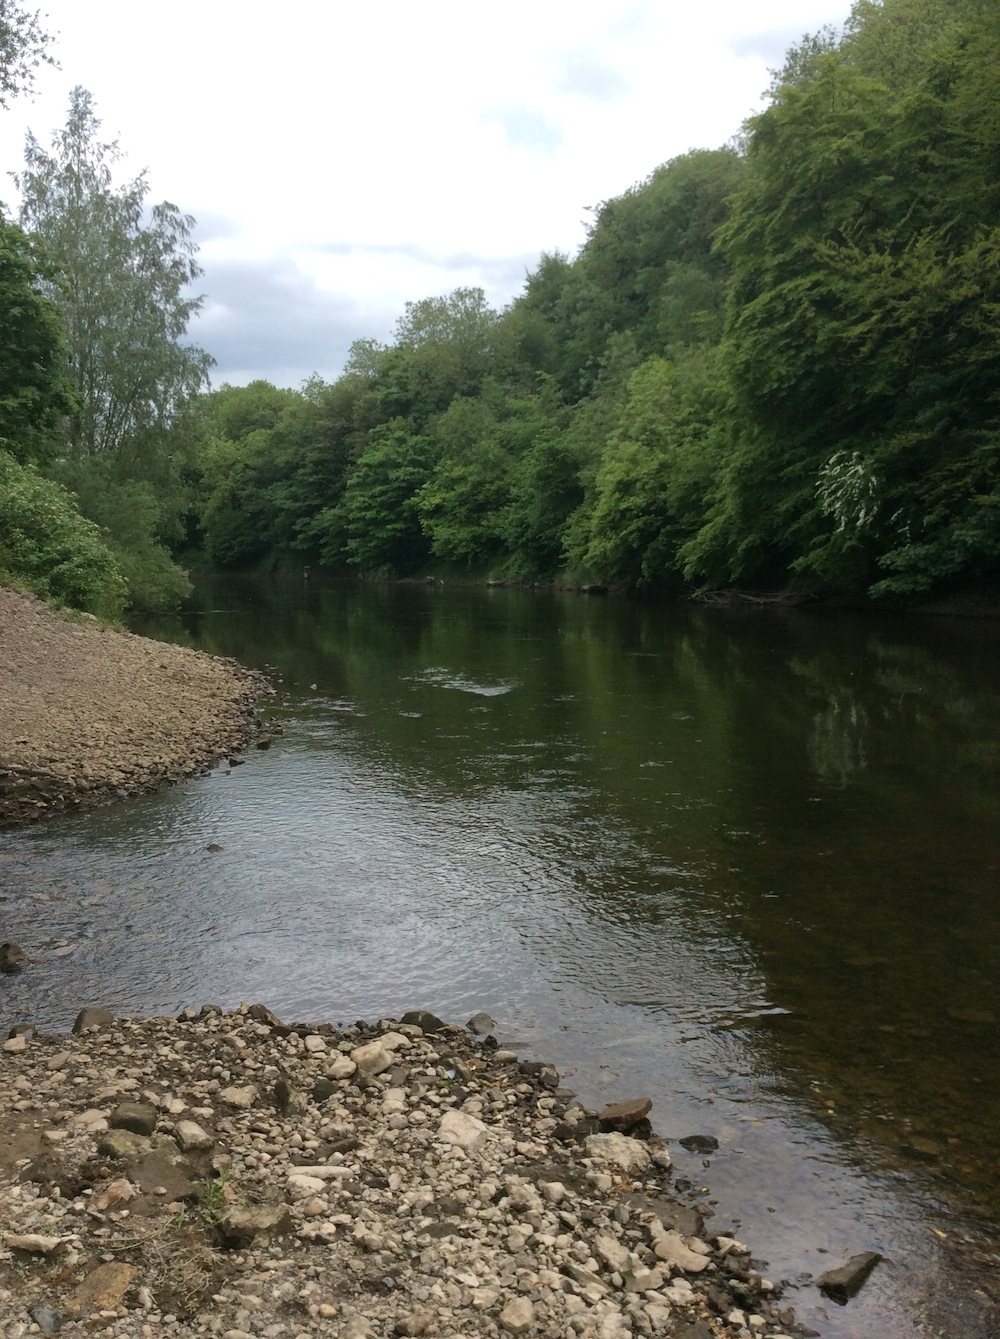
{"points": [[771, 365]]}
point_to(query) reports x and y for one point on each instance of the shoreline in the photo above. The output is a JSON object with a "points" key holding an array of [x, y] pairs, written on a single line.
{"points": [[229, 1173], [91, 715]]}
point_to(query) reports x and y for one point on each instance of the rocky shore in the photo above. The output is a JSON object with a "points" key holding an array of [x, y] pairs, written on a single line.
{"points": [[234, 1175], [90, 714]]}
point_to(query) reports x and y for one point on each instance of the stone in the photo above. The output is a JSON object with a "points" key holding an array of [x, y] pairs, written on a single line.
{"points": [[88, 1018], [518, 1316], [139, 1117], [427, 1022], [103, 1289], [165, 1171], [12, 959], [372, 1058], [260, 1013], [93, 1120], [842, 1284], [622, 1116], [26, 1030], [16, 1045], [673, 1250], [626, 1153], [36, 1242], [240, 1098], [699, 1143], [122, 1144], [342, 1068], [464, 1131], [243, 1223], [415, 1322], [191, 1138], [481, 1024], [46, 1318], [117, 1192], [288, 1099], [314, 1043], [612, 1252]]}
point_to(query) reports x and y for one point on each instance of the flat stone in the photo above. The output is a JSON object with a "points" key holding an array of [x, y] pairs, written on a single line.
{"points": [[36, 1242], [162, 1169], [242, 1223], [122, 1144], [612, 1252], [699, 1143], [16, 1046], [626, 1153], [241, 1098], [463, 1130], [191, 1138], [103, 1289], [314, 1043], [139, 1117], [673, 1250], [622, 1116], [88, 1018], [842, 1284], [372, 1058]]}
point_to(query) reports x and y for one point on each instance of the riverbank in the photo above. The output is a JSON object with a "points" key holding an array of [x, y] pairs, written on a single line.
{"points": [[230, 1174], [91, 714]]}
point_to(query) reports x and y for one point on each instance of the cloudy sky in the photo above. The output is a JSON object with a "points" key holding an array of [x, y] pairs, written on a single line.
{"points": [[342, 159]]}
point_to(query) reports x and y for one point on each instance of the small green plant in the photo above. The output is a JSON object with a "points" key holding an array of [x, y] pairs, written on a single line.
{"points": [[212, 1198]]}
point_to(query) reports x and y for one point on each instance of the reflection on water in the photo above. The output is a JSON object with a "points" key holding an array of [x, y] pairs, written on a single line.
{"points": [[744, 863]]}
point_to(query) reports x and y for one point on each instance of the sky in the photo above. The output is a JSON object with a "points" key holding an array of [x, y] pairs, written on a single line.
{"points": [[343, 159]]}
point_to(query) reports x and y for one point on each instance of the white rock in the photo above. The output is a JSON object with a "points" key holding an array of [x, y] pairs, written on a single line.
{"points": [[341, 1068], [240, 1098], [191, 1137], [463, 1131], [554, 1191], [613, 1253], [671, 1247], [304, 1187], [628, 1154], [323, 1172], [392, 1041], [373, 1057], [32, 1241], [314, 1043], [518, 1316], [15, 1045]]}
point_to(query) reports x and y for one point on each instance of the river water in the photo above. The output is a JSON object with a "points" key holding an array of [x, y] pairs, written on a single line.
{"points": [[745, 862]]}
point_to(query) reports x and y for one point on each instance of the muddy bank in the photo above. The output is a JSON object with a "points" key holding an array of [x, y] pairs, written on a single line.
{"points": [[88, 714], [231, 1174]]}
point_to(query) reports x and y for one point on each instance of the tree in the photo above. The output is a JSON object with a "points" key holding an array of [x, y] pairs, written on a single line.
{"points": [[123, 291], [23, 47], [35, 394]]}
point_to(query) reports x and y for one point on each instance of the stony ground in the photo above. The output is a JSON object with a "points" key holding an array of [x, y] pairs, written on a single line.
{"points": [[233, 1175], [88, 714]]}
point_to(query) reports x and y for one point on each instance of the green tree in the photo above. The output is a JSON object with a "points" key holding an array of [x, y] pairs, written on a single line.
{"points": [[125, 272], [35, 393], [24, 45]]}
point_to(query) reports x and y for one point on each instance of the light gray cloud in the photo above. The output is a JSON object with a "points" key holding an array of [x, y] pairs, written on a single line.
{"points": [[771, 46], [590, 78], [268, 320], [526, 129]]}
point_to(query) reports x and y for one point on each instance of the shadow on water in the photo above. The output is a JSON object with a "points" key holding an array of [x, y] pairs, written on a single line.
{"points": [[744, 862]]}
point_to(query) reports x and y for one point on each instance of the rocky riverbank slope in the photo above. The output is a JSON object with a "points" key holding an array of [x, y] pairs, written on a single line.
{"points": [[88, 714], [230, 1174]]}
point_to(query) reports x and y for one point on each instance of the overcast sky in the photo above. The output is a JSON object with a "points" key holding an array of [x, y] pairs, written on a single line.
{"points": [[342, 158]]}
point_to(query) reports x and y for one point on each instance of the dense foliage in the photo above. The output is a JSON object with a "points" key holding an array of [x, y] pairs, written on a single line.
{"points": [[771, 365]]}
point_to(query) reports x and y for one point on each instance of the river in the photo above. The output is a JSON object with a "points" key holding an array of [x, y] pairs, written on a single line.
{"points": [[745, 862]]}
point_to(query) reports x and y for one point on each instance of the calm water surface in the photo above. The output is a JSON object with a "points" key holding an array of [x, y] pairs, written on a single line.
{"points": [[746, 863]]}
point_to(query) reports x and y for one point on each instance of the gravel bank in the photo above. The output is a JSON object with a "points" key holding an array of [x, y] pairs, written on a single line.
{"points": [[234, 1175], [89, 715]]}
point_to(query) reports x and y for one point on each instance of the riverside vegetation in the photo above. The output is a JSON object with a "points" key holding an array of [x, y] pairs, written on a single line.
{"points": [[230, 1174], [771, 366]]}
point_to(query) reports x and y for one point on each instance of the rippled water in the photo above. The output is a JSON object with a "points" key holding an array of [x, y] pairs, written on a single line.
{"points": [[744, 863]]}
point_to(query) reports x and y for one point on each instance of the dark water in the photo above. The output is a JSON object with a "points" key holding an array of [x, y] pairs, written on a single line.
{"points": [[747, 863]]}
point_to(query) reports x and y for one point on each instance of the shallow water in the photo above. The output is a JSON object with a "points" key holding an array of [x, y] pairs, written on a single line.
{"points": [[746, 863]]}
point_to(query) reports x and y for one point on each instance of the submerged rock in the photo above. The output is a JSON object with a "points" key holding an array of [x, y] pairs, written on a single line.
{"points": [[840, 1285]]}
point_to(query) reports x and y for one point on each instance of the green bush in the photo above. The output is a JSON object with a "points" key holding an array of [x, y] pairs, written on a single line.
{"points": [[46, 544]]}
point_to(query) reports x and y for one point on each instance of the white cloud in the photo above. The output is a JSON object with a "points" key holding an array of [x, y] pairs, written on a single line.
{"points": [[357, 157]]}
